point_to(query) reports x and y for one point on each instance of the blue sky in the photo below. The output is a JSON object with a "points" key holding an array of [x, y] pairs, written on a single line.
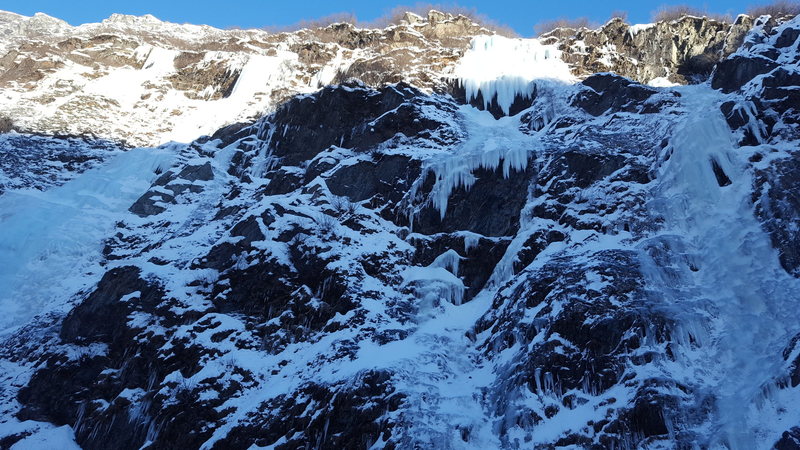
{"points": [[520, 15]]}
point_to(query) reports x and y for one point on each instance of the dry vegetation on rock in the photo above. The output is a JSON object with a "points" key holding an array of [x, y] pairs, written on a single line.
{"points": [[397, 15], [550, 25], [322, 22], [782, 8], [675, 12]]}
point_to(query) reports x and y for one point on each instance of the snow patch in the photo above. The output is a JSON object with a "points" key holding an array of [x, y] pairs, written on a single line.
{"points": [[53, 438], [662, 82], [639, 27]]}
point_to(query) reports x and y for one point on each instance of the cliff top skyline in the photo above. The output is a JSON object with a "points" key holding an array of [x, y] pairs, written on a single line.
{"points": [[522, 17]]}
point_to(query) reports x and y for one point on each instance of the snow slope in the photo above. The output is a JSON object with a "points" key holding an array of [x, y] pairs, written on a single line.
{"points": [[57, 234]]}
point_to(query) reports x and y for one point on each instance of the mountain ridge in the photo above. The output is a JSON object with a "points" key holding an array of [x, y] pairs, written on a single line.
{"points": [[60, 79]]}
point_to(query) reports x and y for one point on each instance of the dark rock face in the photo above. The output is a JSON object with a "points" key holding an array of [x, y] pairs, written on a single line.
{"points": [[361, 410], [794, 368], [581, 170], [778, 110], [735, 72], [556, 368], [221, 255], [388, 178], [614, 93], [760, 68], [96, 392], [108, 306], [790, 440], [490, 207], [154, 201], [787, 38], [53, 395], [778, 207], [364, 118], [739, 117]]}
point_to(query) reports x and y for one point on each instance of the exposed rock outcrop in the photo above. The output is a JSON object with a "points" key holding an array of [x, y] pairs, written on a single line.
{"points": [[681, 51]]}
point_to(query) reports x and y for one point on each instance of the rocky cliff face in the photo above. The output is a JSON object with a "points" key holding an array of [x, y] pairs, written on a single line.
{"points": [[614, 265], [680, 51]]}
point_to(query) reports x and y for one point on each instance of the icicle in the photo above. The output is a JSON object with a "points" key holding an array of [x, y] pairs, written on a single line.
{"points": [[448, 260], [431, 284], [471, 241], [504, 69], [457, 171]]}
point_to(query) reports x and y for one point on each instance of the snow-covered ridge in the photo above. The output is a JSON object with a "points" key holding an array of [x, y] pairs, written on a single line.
{"points": [[145, 81], [636, 28], [14, 25]]}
